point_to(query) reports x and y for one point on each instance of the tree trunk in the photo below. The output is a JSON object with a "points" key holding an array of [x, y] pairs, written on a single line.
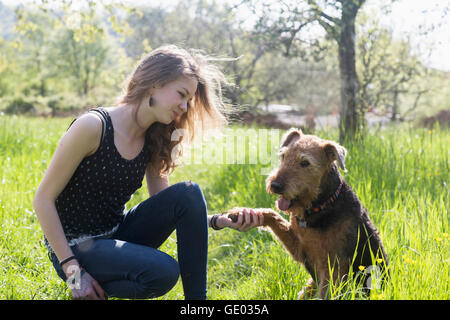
{"points": [[349, 111], [394, 106]]}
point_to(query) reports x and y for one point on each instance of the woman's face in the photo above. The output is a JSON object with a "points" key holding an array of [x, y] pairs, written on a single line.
{"points": [[171, 101]]}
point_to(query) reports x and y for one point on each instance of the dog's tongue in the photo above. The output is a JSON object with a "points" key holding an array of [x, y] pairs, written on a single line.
{"points": [[283, 204]]}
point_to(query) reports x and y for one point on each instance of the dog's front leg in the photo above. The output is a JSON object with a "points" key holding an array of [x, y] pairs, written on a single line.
{"points": [[283, 231], [308, 291], [277, 224], [323, 289]]}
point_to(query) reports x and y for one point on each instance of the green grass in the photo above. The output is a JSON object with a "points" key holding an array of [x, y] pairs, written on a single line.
{"points": [[400, 175]]}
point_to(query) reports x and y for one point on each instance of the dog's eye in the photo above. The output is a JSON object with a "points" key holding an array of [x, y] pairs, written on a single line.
{"points": [[304, 163]]}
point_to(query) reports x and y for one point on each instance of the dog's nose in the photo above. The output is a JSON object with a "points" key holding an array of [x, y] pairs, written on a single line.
{"points": [[276, 187]]}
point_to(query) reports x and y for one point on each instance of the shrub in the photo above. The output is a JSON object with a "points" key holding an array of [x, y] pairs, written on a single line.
{"points": [[20, 105]]}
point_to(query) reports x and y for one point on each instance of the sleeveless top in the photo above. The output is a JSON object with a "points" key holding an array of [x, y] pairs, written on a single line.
{"points": [[93, 202]]}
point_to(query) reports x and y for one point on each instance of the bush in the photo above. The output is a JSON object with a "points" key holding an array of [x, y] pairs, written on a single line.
{"points": [[68, 104], [54, 105], [20, 105], [443, 118]]}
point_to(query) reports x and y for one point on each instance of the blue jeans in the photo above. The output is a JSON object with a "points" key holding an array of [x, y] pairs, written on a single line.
{"points": [[129, 265]]}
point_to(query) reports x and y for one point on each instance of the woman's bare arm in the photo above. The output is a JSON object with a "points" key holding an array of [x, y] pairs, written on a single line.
{"points": [[155, 181], [81, 140]]}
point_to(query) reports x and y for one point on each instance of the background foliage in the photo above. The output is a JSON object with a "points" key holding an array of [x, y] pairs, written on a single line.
{"points": [[56, 56]]}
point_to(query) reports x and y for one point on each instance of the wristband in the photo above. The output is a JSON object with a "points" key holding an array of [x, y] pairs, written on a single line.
{"points": [[213, 222], [67, 260]]}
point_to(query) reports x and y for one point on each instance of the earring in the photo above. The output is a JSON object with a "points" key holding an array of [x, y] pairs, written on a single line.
{"points": [[150, 101]]}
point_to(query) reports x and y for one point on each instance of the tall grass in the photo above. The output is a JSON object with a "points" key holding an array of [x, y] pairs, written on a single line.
{"points": [[401, 177]]}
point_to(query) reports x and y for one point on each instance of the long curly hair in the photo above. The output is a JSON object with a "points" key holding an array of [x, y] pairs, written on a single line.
{"points": [[207, 110]]}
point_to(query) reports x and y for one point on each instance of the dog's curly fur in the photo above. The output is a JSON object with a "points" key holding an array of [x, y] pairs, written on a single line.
{"points": [[341, 235]]}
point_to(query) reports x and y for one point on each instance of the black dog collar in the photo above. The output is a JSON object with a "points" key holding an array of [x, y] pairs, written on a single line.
{"points": [[316, 209]]}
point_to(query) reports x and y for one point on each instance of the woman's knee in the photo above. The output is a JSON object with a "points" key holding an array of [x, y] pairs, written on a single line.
{"points": [[192, 196], [166, 278]]}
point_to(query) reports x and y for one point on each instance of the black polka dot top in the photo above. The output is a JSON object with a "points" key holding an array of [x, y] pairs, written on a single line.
{"points": [[93, 202]]}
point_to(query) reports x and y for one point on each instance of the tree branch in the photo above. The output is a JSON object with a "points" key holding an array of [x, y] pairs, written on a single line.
{"points": [[332, 31], [321, 18], [416, 103]]}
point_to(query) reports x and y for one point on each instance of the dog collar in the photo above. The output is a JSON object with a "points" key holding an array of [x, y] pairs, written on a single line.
{"points": [[316, 209], [334, 196]]}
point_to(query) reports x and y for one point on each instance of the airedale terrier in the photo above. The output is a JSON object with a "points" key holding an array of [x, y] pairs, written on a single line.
{"points": [[329, 229]]}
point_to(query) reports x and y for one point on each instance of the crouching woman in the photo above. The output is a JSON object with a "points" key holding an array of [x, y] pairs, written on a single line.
{"points": [[100, 162]]}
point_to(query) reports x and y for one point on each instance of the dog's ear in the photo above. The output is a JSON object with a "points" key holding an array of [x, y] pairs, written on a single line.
{"points": [[291, 136], [336, 152]]}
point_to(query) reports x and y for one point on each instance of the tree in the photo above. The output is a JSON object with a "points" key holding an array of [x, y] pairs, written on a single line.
{"points": [[31, 26], [388, 70], [217, 31], [80, 60], [335, 17], [66, 48]]}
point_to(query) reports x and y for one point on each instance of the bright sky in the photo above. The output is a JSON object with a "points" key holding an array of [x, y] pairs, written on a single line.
{"points": [[408, 18]]}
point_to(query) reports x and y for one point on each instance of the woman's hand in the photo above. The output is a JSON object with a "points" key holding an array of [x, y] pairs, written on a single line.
{"points": [[247, 219], [83, 286]]}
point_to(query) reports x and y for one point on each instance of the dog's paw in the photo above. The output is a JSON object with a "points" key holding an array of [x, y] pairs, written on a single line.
{"points": [[233, 214], [233, 217], [308, 291]]}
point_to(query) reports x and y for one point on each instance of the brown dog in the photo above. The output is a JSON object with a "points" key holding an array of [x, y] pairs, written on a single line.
{"points": [[329, 229]]}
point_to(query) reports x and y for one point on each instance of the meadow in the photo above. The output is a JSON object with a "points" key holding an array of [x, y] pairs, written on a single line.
{"points": [[400, 174]]}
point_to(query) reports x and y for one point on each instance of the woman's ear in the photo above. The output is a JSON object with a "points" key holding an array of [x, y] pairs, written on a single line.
{"points": [[336, 152]]}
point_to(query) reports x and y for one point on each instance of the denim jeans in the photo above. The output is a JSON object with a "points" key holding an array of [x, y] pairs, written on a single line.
{"points": [[129, 265]]}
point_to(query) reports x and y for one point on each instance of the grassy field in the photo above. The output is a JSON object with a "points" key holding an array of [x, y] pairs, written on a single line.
{"points": [[401, 176]]}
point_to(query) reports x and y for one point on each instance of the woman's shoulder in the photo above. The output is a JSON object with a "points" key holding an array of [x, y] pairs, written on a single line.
{"points": [[89, 122], [87, 130]]}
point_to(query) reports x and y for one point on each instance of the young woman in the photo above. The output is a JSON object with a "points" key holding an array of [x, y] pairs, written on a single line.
{"points": [[101, 161]]}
